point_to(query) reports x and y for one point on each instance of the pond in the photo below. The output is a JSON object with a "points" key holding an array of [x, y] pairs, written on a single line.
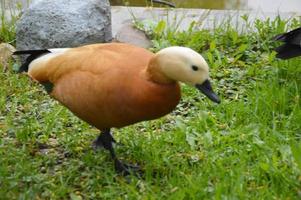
{"points": [[262, 5]]}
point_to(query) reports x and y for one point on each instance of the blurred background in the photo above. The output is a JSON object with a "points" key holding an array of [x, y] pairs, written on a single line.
{"points": [[261, 5]]}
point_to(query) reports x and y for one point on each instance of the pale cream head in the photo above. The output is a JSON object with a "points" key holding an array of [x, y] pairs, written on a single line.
{"points": [[183, 64]]}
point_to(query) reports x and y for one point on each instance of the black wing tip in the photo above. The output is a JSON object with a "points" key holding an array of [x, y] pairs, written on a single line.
{"points": [[25, 52], [23, 68], [33, 54]]}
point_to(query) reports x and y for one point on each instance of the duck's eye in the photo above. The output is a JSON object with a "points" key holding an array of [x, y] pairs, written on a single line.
{"points": [[194, 68]]}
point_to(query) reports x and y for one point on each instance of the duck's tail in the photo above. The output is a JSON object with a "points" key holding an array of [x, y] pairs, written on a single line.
{"points": [[288, 51], [33, 54], [292, 44]]}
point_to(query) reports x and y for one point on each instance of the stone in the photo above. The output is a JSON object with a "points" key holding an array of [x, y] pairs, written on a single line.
{"points": [[6, 52], [129, 34], [61, 23]]}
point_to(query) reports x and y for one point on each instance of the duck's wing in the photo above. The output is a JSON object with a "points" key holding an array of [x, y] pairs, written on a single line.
{"points": [[91, 80], [49, 65]]}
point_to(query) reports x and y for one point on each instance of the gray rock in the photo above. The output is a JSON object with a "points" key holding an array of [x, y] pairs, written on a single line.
{"points": [[128, 34], [61, 23]]}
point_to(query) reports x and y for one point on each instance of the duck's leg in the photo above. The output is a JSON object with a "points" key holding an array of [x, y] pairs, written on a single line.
{"points": [[105, 135], [106, 140]]}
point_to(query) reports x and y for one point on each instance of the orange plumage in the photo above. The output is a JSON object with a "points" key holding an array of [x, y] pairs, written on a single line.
{"points": [[99, 83]]}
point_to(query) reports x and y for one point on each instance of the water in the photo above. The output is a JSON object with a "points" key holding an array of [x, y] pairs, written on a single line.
{"points": [[262, 5]]}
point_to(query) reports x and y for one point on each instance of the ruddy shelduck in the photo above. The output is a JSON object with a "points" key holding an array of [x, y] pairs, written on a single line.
{"points": [[114, 85]]}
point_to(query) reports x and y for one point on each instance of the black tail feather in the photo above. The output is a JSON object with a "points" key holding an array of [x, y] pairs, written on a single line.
{"points": [[287, 51], [292, 44], [289, 36], [33, 54], [280, 37]]}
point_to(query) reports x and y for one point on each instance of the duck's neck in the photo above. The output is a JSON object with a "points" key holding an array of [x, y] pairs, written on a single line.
{"points": [[155, 74]]}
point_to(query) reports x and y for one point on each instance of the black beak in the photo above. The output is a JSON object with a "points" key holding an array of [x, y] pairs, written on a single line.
{"points": [[207, 90]]}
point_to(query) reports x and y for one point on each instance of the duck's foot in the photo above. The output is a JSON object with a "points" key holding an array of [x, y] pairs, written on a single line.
{"points": [[127, 169], [105, 140]]}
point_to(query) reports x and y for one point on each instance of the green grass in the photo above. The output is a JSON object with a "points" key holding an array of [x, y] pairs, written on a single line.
{"points": [[248, 147], [9, 14]]}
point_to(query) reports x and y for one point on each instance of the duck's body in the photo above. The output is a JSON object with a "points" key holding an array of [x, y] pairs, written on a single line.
{"points": [[102, 89], [115, 85], [292, 44]]}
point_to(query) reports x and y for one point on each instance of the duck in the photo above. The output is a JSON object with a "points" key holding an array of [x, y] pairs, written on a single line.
{"points": [[292, 44], [114, 85]]}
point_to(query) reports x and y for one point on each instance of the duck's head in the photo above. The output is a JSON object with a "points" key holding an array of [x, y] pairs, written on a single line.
{"points": [[185, 65]]}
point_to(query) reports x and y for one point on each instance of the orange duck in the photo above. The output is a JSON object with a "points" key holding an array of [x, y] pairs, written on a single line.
{"points": [[115, 85]]}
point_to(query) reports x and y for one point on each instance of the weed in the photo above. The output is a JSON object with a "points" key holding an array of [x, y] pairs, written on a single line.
{"points": [[8, 18]]}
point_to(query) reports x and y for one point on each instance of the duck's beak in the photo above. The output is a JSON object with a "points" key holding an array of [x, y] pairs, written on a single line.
{"points": [[207, 90]]}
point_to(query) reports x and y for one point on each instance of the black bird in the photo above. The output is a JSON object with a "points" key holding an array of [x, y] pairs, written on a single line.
{"points": [[292, 44]]}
